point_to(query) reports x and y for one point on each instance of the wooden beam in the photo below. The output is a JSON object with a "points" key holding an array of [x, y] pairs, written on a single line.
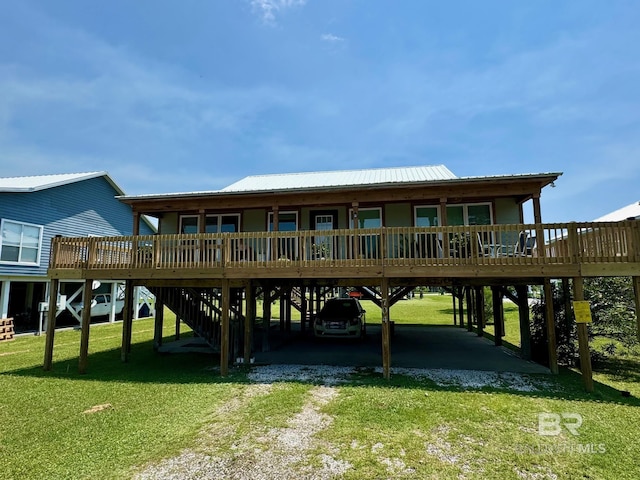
{"points": [[469, 299], [84, 329], [498, 315], [550, 326], [249, 320], [386, 330], [127, 321], [523, 317], [537, 219], [266, 317], [283, 312], [136, 223], [288, 310], [583, 339], [159, 321], [461, 306], [480, 310], [224, 329], [455, 310], [51, 323], [303, 309]]}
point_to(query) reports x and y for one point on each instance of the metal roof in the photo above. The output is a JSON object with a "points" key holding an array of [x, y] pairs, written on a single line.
{"points": [[42, 182], [625, 213], [341, 178]]}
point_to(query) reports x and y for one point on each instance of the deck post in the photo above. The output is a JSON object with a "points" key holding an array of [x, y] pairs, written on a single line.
{"points": [[537, 218], [583, 339], [318, 299], [523, 316], [469, 298], [444, 221], [455, 310], [51, 323], [386, 330], [276, 228], [224, 329], [136, 223], [86, 322], [566, 294], [498, 315], [159, 321], [480, 310], [461, 306], [249, 319], [636, 294], [287, 309], [127, 321], [551, 326], [303, 309], [266, 316], [355, 226]]}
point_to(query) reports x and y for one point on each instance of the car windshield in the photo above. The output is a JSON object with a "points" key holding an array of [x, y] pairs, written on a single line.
{"points": [[340, 307]]}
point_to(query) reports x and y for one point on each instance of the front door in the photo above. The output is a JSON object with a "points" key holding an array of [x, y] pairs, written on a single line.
{"points": [[324, 245]]}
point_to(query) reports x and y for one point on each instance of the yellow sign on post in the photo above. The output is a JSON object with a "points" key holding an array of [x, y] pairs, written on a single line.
{"points": [[582, 311]]}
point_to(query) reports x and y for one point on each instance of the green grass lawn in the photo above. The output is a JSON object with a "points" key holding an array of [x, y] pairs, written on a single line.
{"points": [[156, 406]]}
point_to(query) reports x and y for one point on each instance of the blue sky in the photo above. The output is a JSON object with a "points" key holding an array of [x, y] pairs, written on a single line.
{"points": [[171, 96]]}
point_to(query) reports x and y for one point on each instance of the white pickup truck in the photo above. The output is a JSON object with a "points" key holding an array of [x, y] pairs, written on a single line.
{"points": [[101, 305]]}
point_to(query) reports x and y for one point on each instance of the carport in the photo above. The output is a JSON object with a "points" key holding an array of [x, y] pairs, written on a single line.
{"points": [[412, 346]]}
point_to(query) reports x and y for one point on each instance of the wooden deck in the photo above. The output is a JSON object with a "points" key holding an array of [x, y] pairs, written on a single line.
{"points": [[489, 251]]}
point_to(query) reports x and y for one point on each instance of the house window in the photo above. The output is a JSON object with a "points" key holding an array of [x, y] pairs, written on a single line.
{"points": [[369, 243], [479, 214], [287, 247], [367, 218], [214, 223], [189, 224], [223, 223], [20, 242], [287, 221], [462, 214], [427, 216]]}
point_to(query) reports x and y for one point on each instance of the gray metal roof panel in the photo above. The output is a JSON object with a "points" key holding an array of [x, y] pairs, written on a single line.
{"points": [[340, 178]]}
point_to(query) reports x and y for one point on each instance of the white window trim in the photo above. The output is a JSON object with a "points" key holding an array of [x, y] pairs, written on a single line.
{"points": [[40, 227]]}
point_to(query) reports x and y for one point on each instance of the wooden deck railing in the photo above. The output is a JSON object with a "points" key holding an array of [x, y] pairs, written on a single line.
{"points": [[516, 244]]}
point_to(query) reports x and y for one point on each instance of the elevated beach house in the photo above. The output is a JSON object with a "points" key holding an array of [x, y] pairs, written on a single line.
{"points": [[378, 233]]}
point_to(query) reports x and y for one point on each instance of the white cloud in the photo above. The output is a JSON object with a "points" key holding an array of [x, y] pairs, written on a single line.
{"points": [[267, 9], [330, 37]]}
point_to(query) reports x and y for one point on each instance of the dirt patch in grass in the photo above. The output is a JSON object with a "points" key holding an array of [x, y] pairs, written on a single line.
{"points": [[285, 452], [98, 408]]}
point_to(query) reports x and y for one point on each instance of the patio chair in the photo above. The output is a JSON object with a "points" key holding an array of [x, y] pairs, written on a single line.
{"points": [[525, 245], [485, 247]]}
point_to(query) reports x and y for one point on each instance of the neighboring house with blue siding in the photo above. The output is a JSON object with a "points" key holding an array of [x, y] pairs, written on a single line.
{"points": [[35, 209]]}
